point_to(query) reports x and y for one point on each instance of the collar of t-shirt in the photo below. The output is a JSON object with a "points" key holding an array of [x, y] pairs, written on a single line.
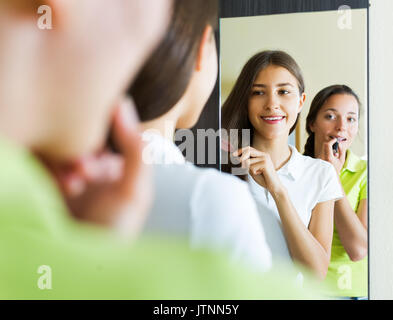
{"points": [[291, 168], [159, 150], [352, 162]]}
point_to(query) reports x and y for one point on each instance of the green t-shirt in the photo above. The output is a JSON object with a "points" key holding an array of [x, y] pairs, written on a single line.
{"points": [[46, 254], [348, 278]]}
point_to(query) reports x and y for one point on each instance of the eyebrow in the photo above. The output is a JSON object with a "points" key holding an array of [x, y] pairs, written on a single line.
{"points": [[278, 85], [335, 110]]}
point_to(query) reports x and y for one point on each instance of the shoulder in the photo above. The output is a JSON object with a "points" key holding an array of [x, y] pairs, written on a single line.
{"points": [[221, 193], [315, 167], [358, 167], [220, 184], [206, 184], [362, 166]]}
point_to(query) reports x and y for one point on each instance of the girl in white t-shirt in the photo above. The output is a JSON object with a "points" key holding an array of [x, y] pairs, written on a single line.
{"points": [[208, 208], [295, 194]]}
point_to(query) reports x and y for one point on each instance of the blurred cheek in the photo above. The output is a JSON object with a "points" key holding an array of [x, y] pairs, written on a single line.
{"points": [[80, 136], [322, 129], [353, 133], [254, 106]]}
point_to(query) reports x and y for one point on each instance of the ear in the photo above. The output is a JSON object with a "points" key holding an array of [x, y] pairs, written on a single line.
{"points": [[312, 127], [204, 47], [301, 102]]}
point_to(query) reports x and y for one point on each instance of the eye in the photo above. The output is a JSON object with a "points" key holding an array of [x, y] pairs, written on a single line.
{"points": [[351, 119], [330, 117], [283, 92], [257, 93]]}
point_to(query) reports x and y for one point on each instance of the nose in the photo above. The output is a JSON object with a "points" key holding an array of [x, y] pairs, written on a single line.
{"points": [[271, 103], [341, 124]]}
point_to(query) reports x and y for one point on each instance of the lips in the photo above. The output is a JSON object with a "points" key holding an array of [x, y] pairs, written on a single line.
{"points": [[273, 119], [339, 139]]}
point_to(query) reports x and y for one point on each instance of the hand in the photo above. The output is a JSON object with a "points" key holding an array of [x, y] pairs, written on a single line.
{"points": [[327, 154], [108, 188], [261, 168]]}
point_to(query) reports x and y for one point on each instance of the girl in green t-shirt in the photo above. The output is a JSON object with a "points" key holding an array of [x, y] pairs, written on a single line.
{"points": [[332, 124]]}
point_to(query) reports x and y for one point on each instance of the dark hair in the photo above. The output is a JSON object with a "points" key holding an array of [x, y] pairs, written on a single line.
{"points": [[235, 108], [316, 105], [164, 77]]}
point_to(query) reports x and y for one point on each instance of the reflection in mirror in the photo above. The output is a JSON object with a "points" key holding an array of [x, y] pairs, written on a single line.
{"points": [[311, 64]]}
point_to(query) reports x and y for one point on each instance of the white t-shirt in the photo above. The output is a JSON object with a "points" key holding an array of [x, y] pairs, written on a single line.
{"points": [[212, 209], [309, 181]]}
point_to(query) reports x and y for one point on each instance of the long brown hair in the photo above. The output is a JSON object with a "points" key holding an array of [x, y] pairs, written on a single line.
{"points": [[235, 108], [316, 105], [164, 77]]}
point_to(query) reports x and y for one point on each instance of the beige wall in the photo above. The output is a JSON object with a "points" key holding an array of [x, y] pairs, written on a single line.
{"points": [[326, 54], [381, 149]]}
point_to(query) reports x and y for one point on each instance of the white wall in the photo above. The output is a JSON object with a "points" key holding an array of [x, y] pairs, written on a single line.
{"points": [[381, 149]]}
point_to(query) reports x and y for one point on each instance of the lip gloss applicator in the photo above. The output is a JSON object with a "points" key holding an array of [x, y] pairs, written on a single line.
{"points": [[335, 147]]}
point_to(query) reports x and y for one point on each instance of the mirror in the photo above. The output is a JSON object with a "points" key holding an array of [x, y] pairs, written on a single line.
{"points": [[329, 42]]}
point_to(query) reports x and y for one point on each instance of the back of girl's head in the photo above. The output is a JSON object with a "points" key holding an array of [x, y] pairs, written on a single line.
{"points": [[316, 105], [235, 108], [163, 79]]}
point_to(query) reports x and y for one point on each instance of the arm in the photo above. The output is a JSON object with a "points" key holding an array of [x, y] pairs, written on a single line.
{"points": [[352, 228], [311, 246]]}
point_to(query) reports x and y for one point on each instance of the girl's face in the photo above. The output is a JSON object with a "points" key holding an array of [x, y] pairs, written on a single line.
{"points": [[338, 118], [274, 102]]}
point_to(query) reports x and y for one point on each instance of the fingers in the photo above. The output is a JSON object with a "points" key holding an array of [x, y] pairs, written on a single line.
{"points": [[258, 168], [128, 139], [248, 152], [341, 152], [73, 185], [249, 162], [327, 148], [71, 182], [331, 142], [101, 168]]}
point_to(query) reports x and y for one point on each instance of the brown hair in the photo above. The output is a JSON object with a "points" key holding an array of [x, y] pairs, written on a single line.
{"points": [[316, 105], [164, 77], [235, 108], [25, 8]]}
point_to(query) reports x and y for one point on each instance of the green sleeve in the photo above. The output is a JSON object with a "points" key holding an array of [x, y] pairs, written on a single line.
{"points": [[363, 187]]}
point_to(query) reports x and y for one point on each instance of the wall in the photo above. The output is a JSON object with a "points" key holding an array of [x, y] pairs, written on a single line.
{"points": [[381, 150]]}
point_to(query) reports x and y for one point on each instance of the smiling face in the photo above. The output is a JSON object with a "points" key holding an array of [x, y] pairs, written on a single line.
{"points": [[338, 118], [274, 102]]}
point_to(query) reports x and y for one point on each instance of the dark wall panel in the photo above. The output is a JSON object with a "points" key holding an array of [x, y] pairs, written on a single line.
{"points": [[244, 8]]}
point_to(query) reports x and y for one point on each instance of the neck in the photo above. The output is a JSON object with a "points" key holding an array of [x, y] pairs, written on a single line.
{"points": [[278, 149], [166, 124], [165, 128]]}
